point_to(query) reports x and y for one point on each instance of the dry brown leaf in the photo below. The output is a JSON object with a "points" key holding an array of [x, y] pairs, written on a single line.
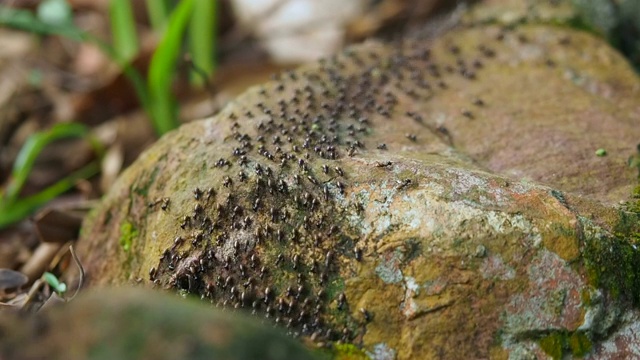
{"points": [[11, 279], [57, 225]]}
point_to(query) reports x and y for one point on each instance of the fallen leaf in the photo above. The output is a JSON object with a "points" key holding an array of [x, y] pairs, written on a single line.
{"points": [[11, 279]]}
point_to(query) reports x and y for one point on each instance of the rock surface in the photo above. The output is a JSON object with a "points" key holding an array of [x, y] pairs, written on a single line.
{"points": [[424, 199], [141, 324]]}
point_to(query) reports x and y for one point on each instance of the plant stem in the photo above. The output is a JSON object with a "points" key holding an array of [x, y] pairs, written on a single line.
{"points": [[202, 38]]}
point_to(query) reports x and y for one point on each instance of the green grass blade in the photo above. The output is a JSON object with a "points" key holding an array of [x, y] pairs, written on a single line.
{"points": [[34, 146], [123, 29], [30, 151], [162, 69], [11, 213], [158, 11], [202, 39]]}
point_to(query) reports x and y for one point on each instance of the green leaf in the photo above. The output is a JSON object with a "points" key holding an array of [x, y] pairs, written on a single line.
{"points": [[123, 29], [30, 151], [13, 212], [53, 281], [13, 209], [202, 38], [161, 70]]}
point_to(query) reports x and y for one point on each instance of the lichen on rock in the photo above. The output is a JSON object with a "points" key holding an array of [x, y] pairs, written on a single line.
{"points": [[423, 199]]}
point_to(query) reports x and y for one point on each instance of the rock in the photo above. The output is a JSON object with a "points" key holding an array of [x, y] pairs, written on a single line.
{"points": [[300, 30], [423, 199], [141, 324]]}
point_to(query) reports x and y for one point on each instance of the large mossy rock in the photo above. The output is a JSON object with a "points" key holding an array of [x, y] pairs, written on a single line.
{"points": [[423, 199], [138, 324]]}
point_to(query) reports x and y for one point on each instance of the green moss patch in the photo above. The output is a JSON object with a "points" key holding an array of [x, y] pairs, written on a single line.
{"points": [[612, 265], [128, 233], [348, 352], [612, 262], [557, 344]]}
